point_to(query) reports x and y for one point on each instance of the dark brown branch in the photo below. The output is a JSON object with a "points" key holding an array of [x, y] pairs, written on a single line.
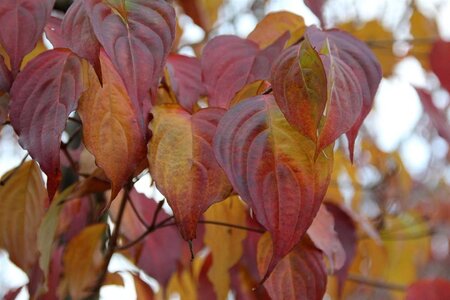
{"points": [[13, 171], [259, 230], [376, 283], [75, 120], [69, 157]]}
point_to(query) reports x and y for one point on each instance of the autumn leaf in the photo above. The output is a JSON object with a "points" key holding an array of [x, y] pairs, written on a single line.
{"points": [[22, 207], [430, 289], [83, 262], [299, 83], [274, 25], [185, 76], [353, 75], [273, 169], [299, 275], [203, 12], [422, 29], [316, 6], [137, 35], [143, 290], [42, 97], [229, 63], [77, 30], [324, 236], [440, 65], [111, 129], [5, 85], [27, 18], [181, 161], [53, 32], [225, 243]]}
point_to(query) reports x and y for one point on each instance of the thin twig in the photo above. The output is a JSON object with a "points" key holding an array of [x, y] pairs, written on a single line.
{"points": [[69, 157], [259, 230], [138, 215], [75, 120], [376, 283], [13, 171]]}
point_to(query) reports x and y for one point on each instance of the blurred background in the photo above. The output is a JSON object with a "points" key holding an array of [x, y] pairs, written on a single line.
{"points": [[401, 173]]}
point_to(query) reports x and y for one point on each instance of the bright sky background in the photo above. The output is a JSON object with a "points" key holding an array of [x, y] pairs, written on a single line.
{"points": [[393, 119]]}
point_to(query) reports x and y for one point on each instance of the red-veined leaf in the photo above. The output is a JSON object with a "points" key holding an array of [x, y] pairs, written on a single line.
{"points": [[299, 275], [299, 85], [429, 289], [181, 161], [111, 129], [54, 33], [229, 63], [80, 37], [440, 64], [272, 167], [23, 23], [22, 207], [185, 79], [42, 97], [324, 236], [437, 116], [137, 35], [353, 74], [82, 262]]}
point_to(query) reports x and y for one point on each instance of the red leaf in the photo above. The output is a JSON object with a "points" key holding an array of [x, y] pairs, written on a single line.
{"points": [[322, 233], [22, 24], [42, 97], [54, 34], [185, 79], [437, 116], [79, 34], [299, 275], [5, 76], [429, 289], [137, 35], [316, 6], [299, 85], [440, 63], [273, 169], [354, 73], [229, 63], [346, 231]]}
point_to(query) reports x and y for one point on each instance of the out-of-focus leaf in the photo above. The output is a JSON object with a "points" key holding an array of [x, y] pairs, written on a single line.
{"points": [[203, 12], [440, 64], [422, 29], [272, 167], [137, 35], [143, 290], [429, 289], [346, 231], [22, 207], [185, 79], [274, 25], [225, 243], [299, 84], [111, 127], [324, 236], [316, 6], [299, 275], [83, 262], [182, 163], [77, 30], [114, 279], [42, 97], [379, 39], [53, 32], [27, 18], [229, 63], [437, 116], [353, 74]]}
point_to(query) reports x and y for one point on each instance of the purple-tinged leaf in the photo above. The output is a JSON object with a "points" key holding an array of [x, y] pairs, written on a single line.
{"points": [[54, 33]]}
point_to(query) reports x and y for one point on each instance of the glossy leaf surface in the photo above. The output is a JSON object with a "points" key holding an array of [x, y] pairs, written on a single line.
{"points": [[182, 163], [42, 97], [273, 169]]}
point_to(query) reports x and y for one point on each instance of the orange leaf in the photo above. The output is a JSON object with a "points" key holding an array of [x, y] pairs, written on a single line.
{"points": [[22, 207], [83, 262], [111, 130], [182, 163], [299, 275]]}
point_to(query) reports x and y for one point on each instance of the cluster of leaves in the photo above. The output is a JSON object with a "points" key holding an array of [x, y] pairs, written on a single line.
{"points": [[241, 141]]}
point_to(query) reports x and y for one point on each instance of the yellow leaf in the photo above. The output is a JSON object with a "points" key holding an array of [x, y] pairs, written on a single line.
{"points": [[378, 39], [250, 90], [225, 243], [111, 130], [424, 31], [83, 262], [274, 25], [23, 200], [40, 47]]}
